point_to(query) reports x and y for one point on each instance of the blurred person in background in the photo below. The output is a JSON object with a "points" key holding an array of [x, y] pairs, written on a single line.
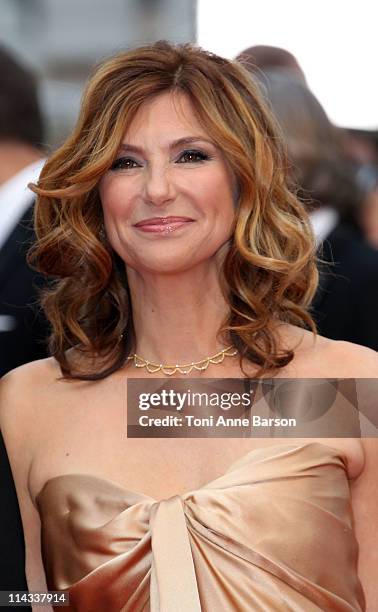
{"points": [[362, 150], [260, 58], [22, 326], [346, 304]]}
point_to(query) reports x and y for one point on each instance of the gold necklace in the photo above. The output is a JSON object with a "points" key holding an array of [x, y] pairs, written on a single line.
{"points": [[185, 368]]}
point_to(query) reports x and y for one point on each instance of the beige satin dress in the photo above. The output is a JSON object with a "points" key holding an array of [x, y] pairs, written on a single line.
{"points": [[274, 533]]}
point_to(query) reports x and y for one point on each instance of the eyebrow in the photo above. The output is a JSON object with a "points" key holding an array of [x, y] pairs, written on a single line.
{"points": [[172, 145]]}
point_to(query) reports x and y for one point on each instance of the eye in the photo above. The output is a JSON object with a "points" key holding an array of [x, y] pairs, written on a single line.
{"points": [[192, 157], [124, 163]]}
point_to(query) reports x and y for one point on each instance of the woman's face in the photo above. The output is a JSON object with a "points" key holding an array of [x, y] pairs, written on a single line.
{"points": [[168, 199]]}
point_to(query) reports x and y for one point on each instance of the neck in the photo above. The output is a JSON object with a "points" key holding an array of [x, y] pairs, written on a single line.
{"points": [[14, 157], [177, 317]]}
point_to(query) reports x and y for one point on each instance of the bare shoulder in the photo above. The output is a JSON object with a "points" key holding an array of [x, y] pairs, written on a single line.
{"points": [[39, 370], [351, 360], [317, 356], [23, 393], [19, 387]]}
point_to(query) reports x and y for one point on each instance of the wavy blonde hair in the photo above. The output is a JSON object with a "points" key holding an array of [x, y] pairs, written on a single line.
{"points": [[269, 273]]}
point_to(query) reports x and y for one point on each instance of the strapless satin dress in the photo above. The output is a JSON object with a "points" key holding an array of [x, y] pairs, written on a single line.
{"points": [[274, 533]]}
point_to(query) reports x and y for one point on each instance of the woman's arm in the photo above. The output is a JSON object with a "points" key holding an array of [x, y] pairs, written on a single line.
{"points": [[365, 507], [361, 362], [18, 426]]}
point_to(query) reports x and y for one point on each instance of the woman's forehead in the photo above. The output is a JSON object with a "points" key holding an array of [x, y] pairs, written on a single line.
{"points": [[170, 112]]}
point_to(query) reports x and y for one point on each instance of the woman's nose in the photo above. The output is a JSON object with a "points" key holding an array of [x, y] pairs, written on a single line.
{"points": [[159, 188]]}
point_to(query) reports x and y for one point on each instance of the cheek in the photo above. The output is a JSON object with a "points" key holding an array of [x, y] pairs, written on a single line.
{"points": [[222, 199], [115, 200], [214, 187]]}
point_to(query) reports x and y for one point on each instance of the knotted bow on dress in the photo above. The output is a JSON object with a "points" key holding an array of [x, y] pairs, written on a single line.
{"points": [[274, 533]]}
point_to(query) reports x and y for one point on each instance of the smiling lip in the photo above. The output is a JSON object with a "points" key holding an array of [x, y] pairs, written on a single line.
{"points": [[162, 224]]}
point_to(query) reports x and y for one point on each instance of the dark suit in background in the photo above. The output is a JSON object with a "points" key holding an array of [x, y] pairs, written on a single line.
{"points": [[26, 340], [346, 303]]}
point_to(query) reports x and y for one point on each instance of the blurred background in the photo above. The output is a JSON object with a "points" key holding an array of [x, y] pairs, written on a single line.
{"points": [[63, 41], [334, 43], [316, 65]]}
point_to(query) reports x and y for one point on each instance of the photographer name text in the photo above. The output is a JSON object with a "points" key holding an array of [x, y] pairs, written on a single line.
{"points": [[212, 421]]}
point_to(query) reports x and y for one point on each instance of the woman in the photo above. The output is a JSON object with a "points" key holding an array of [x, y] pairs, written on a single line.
{"points": [[172, 237]]}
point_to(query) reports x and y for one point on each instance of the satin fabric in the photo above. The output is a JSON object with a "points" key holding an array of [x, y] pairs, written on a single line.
{"points": [[274, 533]]}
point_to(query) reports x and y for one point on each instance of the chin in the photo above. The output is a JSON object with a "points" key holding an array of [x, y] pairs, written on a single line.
{"points": [[175, 259], [170, 264], [166, 267]]}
